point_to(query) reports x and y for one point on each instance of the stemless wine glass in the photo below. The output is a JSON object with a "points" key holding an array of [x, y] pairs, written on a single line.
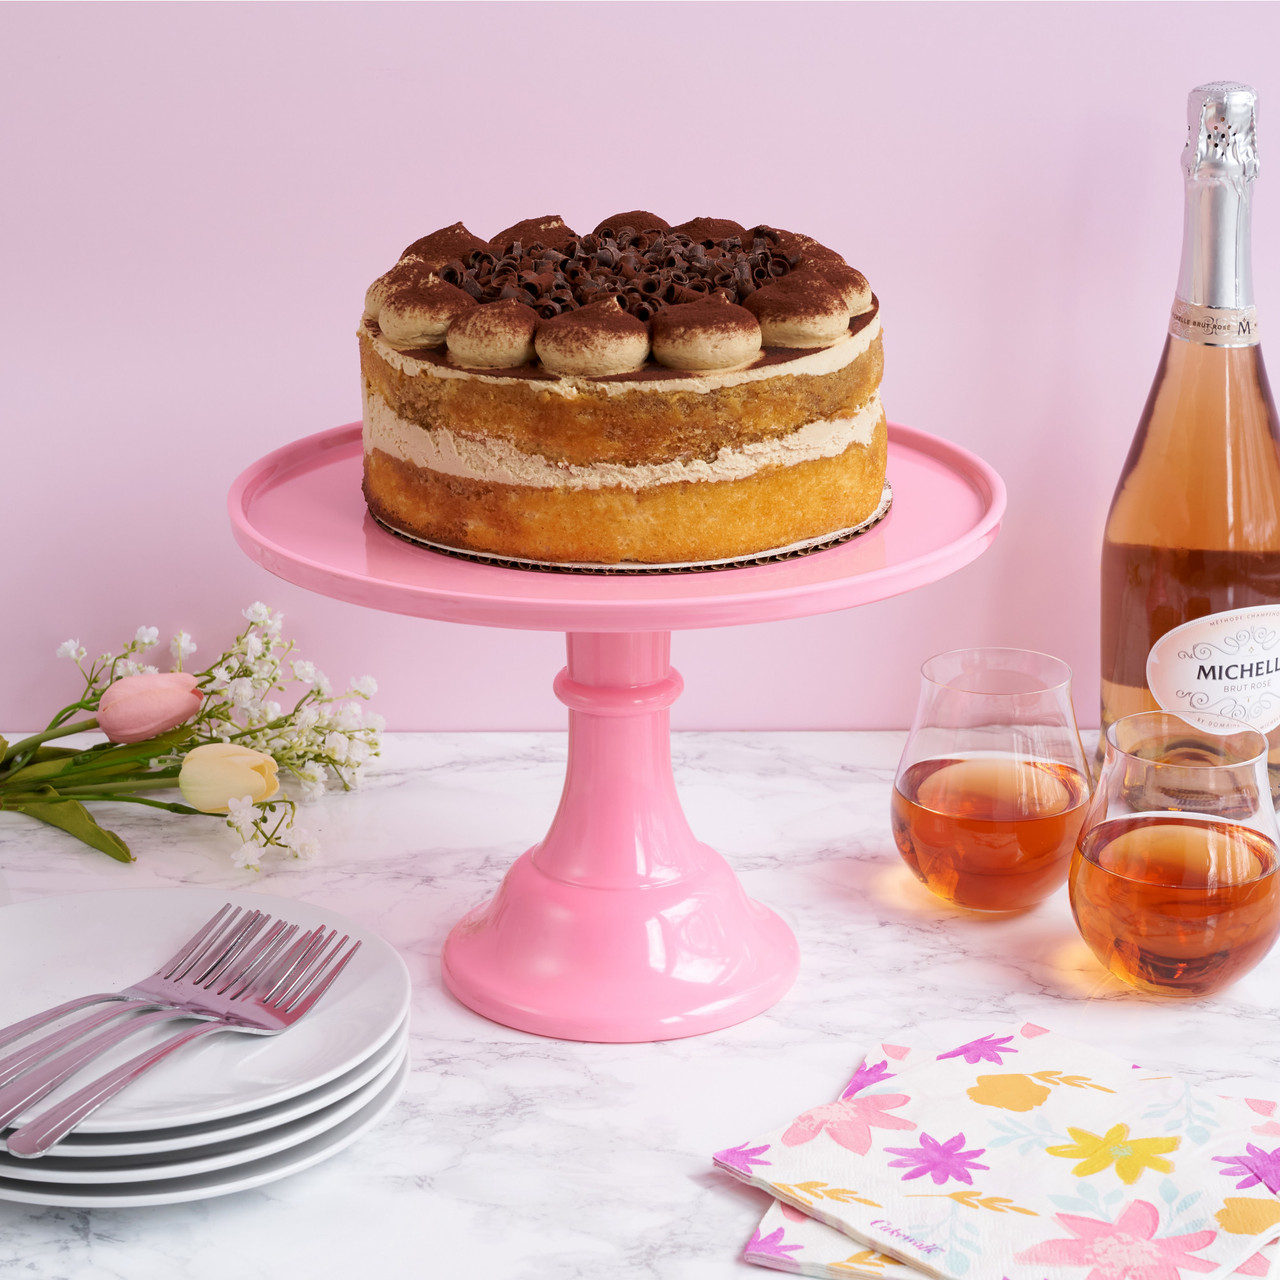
{"points": [[1174, 883], [992, 784]]}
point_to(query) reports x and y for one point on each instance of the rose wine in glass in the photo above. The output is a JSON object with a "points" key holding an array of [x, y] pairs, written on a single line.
{"points": [[1191, 552], [993, 833], [1174, 884], [991, 790]]}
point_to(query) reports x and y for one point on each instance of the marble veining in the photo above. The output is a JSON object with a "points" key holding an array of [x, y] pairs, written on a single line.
{"points": [[505, 1158]]}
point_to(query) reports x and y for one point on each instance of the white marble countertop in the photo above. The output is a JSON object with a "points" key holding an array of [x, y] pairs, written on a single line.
{"points": [[517, 1158]]}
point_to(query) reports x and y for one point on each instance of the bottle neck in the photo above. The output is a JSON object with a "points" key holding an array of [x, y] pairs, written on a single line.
{"points": [[1217, 262], [1214, 303]]}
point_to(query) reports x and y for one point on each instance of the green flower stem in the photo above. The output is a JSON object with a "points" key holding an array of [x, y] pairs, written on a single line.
{"points": [[27, 744], [85, 704], [63, 776], [151, 782], [154, 804]]}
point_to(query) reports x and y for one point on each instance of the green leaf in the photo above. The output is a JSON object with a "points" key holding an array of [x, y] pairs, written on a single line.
{"points": [[46, 805], [160, 745], [4, 746], [32, 775], [104, 760]]}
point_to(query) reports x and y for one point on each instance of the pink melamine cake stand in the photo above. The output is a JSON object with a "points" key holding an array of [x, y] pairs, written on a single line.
{"points": [[620, 925]]}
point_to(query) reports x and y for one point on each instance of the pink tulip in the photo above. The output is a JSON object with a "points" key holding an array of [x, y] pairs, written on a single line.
{"points": [[135, 708]]}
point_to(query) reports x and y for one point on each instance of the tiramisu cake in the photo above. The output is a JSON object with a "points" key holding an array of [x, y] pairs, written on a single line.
{"points": [[644, 394]]}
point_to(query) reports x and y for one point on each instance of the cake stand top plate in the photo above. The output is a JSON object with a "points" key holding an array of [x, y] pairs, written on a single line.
{"points": [[299, 513]]}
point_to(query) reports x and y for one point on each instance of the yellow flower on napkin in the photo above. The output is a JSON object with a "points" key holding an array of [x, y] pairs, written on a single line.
{"points": [[1012, 1092], [1131, 1156]]}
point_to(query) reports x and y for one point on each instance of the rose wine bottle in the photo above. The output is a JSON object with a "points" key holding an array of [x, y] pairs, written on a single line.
{"points": [[1191, 553]]}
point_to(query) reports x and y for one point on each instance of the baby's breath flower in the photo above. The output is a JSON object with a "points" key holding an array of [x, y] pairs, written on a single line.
{"points": [[257, 612], [298, 839], [147, 637], [182, 646], [242, 814], [221, 676], [248, 857], [71, 649], [240, 691], [349, 717], [304, 672], [365, 686]]}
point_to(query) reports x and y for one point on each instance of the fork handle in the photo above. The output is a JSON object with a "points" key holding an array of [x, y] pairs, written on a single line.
{"points": [[23, 1059], [45, 1078], [38, 1135], [16, 1030]]}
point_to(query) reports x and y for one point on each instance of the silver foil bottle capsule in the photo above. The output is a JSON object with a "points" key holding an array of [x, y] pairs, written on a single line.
{"points": [[1220, 161]]}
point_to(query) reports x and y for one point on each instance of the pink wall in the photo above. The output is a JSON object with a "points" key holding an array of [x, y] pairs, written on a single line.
{"points": [[195, 197]]}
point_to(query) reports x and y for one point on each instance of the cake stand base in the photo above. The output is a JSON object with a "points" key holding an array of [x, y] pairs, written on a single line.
{"points": [[620, 926]]}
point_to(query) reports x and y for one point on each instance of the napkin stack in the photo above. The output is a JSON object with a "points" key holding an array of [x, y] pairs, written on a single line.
{"points": [[1019, 1155]]}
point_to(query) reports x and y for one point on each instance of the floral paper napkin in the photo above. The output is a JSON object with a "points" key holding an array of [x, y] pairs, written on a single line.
{"points": [[1017, 1156]]}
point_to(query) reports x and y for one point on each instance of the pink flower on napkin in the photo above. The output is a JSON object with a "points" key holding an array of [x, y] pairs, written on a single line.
{"points": [[940, 1160], [849, 1121], [770, 1246], [1124, 1250], [984, 1049], [741, 1157]]}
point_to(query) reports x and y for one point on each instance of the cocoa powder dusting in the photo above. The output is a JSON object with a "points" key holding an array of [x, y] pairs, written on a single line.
{"points": [[444, 245]]}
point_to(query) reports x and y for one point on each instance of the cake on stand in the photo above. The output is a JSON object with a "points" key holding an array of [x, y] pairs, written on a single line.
{"points": [[620, 925]]}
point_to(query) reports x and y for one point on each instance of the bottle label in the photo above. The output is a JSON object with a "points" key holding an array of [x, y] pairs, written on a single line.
{"points": [[1214, 326], [1221, 672]]}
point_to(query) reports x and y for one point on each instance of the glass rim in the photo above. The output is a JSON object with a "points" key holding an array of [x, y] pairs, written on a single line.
{"points": [[1260, 754], [1047, 687]]}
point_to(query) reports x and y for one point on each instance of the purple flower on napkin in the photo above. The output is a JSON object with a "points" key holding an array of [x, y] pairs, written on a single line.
{"points": [[1254, 1166], [941, 1160], [742, 1157], [984, 1049], [770, 1246], [867, 1075]]}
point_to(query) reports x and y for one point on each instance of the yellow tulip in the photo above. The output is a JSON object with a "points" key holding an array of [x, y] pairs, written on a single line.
{"points": [[219, 772]]}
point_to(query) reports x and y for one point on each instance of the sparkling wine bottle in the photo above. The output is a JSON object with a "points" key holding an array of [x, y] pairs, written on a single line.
{"points": [[1191, 554]]}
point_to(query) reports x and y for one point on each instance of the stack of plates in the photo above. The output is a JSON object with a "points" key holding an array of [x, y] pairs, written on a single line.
{"points": [[229, 1111]]}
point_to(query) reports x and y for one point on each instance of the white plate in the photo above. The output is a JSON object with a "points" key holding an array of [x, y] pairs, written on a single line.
{"points": [[169, 1165], [98, 1146], [53, 949], [241, 1177]]}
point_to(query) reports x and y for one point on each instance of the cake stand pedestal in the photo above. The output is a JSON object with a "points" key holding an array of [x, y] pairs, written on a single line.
{"points": [[619, 925]]}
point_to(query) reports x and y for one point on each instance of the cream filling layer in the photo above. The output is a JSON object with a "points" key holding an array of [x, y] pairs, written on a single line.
{"points": [[499, 462], [823, 360]]}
